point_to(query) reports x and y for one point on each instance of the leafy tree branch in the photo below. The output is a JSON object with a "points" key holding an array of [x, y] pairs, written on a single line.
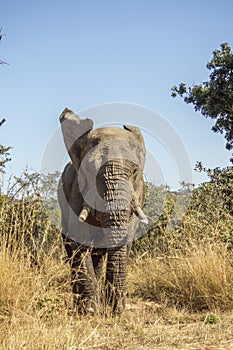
{"points": [[214, 98]]}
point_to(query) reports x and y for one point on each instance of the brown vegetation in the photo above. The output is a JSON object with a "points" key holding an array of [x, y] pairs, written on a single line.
{"points": [[179, 300]]}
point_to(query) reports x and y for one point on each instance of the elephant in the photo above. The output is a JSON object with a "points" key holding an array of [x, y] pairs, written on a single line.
{"points": [[101, 196]]}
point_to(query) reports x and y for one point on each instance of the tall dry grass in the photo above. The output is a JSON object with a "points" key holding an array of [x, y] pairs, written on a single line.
{"points": [[197, 278], [170, 296]]}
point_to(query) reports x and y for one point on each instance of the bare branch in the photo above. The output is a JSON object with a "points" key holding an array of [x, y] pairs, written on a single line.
{"points": [[1, 35], [3, 62], [2, 121]]}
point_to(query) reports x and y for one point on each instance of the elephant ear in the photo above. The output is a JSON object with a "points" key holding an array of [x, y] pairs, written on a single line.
{"points": [[74, 131], [140, 149], [136, 131]]}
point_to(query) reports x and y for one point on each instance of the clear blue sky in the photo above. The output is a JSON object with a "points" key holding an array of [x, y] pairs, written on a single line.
{"points": [[84, 53]]}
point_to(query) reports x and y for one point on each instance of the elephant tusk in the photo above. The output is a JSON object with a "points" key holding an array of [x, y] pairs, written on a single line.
{"points": [[84, 214], [142, 217]]}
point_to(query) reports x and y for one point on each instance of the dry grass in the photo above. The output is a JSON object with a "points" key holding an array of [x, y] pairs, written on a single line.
{"points": [[36, 306], [197, 278], [144, 326], [183, 300]]}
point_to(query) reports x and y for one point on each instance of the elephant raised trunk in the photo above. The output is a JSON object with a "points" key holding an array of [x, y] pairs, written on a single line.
{"points": [[101, 194]]}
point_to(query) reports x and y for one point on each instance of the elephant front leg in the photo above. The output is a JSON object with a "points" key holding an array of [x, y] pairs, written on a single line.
{"points": [[99, 262], [83, 279], [116, 278]]}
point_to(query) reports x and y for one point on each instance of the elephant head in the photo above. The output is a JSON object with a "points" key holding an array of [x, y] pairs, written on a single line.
{"points": [[106, 196], [101, 192]]}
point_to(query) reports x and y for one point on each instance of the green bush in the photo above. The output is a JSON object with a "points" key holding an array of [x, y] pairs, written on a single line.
{"points": [[25, 223], [203, 214]]}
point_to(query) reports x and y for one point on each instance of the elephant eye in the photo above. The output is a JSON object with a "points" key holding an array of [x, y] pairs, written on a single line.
{"points": [[135, 171]]}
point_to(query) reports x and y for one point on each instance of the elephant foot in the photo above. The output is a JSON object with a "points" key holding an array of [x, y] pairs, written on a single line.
{"points": [[86, 306], [115, 305], [118, 309], [113, 312]]}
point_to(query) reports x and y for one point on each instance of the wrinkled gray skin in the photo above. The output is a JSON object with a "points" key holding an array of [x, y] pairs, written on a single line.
{"points": [[101, 194]]}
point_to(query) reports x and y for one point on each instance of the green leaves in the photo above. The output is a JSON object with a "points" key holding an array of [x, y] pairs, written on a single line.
{"points": [[191, 214], [214, 98], [181, 90], [4, 157]]}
